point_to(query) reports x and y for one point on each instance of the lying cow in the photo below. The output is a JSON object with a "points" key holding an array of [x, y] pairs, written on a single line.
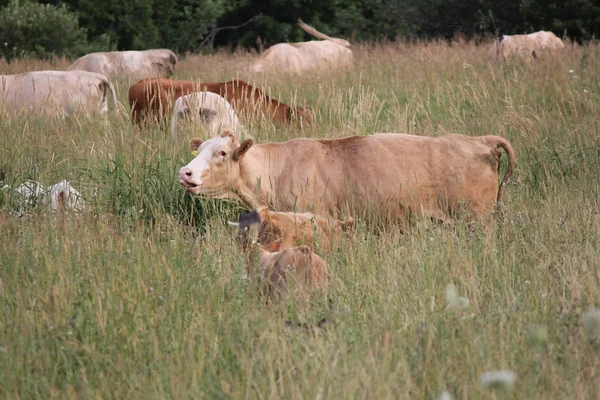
{"points": [[154, 98], [133, 65], [56, 93], [279, 267], [525, 46], [289, 229], [393, 175], [330, 53], [208, 110], [58, 197]]}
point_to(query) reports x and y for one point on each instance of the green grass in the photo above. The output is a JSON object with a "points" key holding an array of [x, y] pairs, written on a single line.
{"points": [[143, 296]]}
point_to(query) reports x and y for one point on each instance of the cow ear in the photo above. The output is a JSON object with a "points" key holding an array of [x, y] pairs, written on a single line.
{"points": [[61, 201], [305, 249], [242, 149], [195, 143]]}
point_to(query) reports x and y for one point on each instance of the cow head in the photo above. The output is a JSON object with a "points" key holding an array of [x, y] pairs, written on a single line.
{"points": [[215, 171]]}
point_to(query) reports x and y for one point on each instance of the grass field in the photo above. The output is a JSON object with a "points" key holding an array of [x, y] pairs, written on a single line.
{"points": [[143, 296]]}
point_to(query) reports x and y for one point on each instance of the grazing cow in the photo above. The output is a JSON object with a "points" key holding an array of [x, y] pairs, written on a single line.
{"points": [[55, 93], [525, 46], [154, 98], [289, 229], [294, 58], [133, 65], [209, 110], [392, 175], [309, 271]]}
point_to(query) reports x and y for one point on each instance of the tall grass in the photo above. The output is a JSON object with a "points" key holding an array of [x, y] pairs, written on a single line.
{"points": [[144, 296]]}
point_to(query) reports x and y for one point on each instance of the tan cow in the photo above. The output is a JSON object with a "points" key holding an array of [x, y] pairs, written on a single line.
{"points": [[289, 229], [526, 46], [55, 93], [132, 65], [392, 175], [281, 269], [293, 58]]}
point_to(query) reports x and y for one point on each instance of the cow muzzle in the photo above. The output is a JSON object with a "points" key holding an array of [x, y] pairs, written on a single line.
{"points": [[188, 182]]}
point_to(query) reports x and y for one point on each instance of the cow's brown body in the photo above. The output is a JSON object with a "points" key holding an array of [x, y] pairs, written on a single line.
{"points": [[391, 175], [154, 99]]}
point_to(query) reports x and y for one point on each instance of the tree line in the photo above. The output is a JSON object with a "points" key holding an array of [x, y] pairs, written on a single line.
{"points": [[75, 27]]}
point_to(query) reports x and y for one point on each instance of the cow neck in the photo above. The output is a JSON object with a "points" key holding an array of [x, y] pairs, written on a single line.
{"points": [[260, 163]]}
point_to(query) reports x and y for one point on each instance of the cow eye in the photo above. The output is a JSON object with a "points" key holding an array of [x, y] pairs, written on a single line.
{"points": [[222, 153]]}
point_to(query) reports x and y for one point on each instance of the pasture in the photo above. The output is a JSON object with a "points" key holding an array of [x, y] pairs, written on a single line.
{"points": [[143, 295]]}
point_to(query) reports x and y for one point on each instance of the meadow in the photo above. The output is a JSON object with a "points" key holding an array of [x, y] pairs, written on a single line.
{"points": [[143, 295]]}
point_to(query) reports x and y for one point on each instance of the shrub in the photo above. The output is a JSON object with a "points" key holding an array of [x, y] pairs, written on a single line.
{"points": [[40, 30]]}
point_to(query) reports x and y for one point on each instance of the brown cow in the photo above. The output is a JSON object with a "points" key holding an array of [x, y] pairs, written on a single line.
{"points": [[392, 175], [279, 268], [154, 98], [289, 229]]}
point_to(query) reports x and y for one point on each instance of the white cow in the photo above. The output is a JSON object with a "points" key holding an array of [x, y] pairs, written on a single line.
{"points": [[208, 110], [132, 65], [55, 93], [330, 53], [526, 46], [58, 197], [64, 197]]}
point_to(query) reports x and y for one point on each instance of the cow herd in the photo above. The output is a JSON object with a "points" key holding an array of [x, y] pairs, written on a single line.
{"points": [[298, 189]]}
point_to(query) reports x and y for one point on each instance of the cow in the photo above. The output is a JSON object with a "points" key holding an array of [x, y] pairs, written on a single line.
{"points": [[59, 197], [132, 65], [62, 196], [289, 229], [209, 110], [154, 98], [56, 93], [294, 58], [278, 267], [396, 176], [526, 46]]}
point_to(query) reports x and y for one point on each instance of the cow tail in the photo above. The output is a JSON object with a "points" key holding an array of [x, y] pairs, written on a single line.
{"points": [[497, 142], [113, 94], [312, 31]]}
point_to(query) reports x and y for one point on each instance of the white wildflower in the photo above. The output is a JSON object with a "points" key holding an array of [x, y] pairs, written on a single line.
{"points": [[498, 379], [445, 395], [585, 91], [453, 300], [571, 71], [591, 319]]}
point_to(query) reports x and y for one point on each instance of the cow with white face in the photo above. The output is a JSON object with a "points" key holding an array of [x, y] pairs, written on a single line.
{"points": [[395, 176], [213, 171], [207, 111]]}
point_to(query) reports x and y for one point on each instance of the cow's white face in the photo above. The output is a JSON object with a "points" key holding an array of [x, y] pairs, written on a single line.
{"points": [[215, 170]]}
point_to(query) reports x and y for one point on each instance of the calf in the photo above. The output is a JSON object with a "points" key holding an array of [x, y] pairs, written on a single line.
{"points": [[279, 268], [290, 229]]}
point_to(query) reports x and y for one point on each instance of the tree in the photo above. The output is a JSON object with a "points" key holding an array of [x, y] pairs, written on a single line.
{"points": [[41, 30]]}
